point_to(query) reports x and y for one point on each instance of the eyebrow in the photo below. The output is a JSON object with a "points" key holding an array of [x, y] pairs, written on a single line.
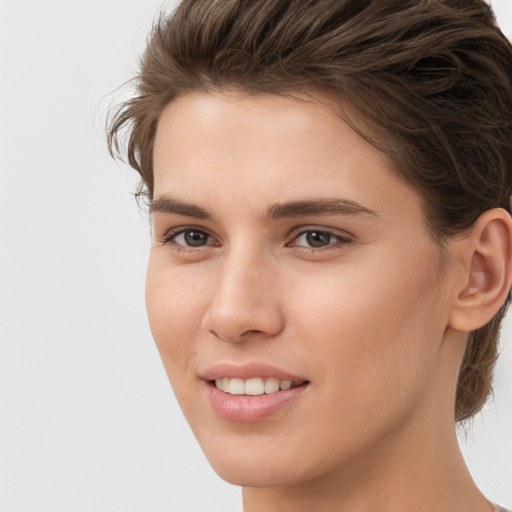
{"points": [[170, 205], [166, 204], [319, 207]]}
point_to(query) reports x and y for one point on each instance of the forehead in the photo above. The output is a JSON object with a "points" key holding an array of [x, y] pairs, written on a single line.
{"points": [[234, 148], [235, 119]]}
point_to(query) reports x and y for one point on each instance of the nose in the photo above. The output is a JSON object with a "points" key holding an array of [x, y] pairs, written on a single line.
{"points": [[245, 303]]}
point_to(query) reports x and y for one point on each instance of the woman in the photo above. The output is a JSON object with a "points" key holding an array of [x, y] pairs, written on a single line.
{"points": [[329, 185]]}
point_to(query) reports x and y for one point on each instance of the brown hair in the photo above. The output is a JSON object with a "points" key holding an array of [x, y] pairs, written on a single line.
{"points": [[430, 79]]}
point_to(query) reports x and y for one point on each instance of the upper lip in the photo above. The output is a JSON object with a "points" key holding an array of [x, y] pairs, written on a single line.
{"points": [[247, 371]]}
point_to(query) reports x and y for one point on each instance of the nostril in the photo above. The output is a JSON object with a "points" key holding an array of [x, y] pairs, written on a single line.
{"points": [[241, 319], [251, 331], [235, 337]]}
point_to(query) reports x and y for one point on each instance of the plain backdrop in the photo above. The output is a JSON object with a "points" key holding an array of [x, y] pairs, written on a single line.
{"points": [[88, 421]]}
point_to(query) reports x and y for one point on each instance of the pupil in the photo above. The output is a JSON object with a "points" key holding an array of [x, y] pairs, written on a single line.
{"points": [[195, 238], [318, 238]]}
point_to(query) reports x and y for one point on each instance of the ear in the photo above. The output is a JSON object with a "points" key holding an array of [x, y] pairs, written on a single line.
{"points": [[487, 272]]}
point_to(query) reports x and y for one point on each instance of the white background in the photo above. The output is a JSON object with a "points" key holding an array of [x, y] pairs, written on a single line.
{"points": [[88, 421]]}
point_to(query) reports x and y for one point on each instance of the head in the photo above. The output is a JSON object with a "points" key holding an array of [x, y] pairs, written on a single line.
{"points": [[422, 89]]}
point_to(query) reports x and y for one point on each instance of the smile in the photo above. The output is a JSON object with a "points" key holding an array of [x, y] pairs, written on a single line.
{"points": [[254, 386], [252, 391]]}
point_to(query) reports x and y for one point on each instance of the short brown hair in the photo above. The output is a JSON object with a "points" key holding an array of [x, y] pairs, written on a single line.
{"points": [[430, 79]]}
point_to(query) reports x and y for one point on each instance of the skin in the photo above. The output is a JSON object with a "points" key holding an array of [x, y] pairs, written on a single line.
{"points": [[368, 318]]}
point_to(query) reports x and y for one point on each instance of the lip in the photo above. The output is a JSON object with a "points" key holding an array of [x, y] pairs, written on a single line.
{"points": [[245, 408], [248, 371]]}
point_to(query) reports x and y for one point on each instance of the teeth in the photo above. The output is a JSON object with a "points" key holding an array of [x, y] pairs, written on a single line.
{"points": [[236, 387], [271, 385], [255, 386], [285, 384]]}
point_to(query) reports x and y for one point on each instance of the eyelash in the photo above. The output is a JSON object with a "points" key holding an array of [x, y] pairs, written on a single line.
{"points": [[170, 237], [339, 240]]}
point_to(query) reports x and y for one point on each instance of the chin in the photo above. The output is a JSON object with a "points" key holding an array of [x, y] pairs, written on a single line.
{"points": [[264, 466], [247, 474]]}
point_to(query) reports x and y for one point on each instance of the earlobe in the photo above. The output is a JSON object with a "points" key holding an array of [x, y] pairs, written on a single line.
{"points": [[487, 273]]}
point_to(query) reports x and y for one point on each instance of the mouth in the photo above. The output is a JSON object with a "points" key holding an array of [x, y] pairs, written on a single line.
{"points": [[255, 386], [253, 400], [253, 391]]}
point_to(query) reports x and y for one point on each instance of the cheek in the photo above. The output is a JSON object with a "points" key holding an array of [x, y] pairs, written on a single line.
{"points": [[175, 304], [376, 330]]}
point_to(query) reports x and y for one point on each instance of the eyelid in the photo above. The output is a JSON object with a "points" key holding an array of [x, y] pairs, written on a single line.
{"points": [[337, 233], [169, 236], [341, 238]]}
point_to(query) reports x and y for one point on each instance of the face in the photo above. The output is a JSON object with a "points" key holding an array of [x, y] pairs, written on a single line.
{"points": [[293, 290]]}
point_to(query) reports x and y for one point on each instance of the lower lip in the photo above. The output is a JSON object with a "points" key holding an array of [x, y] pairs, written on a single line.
{"points": [[250, 409]]}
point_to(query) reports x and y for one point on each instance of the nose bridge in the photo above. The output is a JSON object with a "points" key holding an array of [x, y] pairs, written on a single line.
{"points": [[245, 296], [244, 269]]}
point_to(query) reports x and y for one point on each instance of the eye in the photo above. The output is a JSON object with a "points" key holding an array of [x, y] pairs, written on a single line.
{"points": [[317, 239], [189, 238]]}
